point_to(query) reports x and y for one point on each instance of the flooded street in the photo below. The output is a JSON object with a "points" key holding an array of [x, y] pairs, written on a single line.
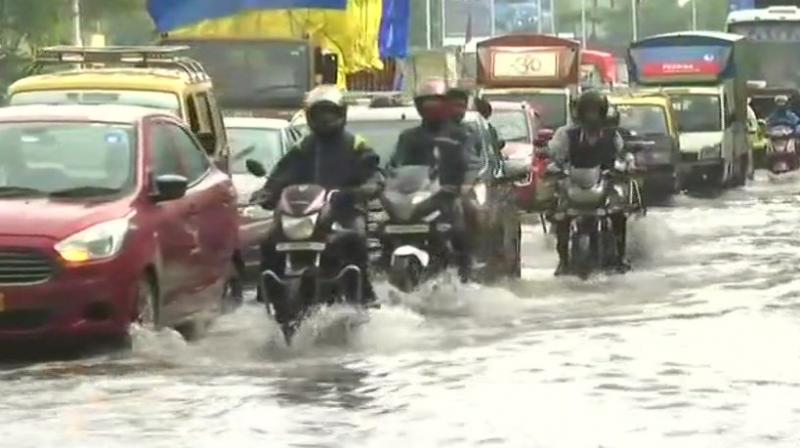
{"points": [[698, 347]]}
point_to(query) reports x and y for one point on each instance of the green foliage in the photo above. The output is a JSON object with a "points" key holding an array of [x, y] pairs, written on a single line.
{"points": [[28, 24]]}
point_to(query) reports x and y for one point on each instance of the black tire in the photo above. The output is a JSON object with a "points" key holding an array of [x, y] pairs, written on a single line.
{"points": [[405, 273], [516, 265], [581, 255], [233, 292], [147, 311]]}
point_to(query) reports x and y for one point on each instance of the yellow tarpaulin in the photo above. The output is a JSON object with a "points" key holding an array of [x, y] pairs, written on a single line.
{"points": [[352, 34]]}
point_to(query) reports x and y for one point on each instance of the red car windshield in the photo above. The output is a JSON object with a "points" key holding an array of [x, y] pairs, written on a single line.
{"points": [[83, 158]]}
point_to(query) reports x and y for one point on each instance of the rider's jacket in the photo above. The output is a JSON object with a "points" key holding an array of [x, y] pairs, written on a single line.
{"points": [[444, 148], [341, 162], [569, 146], [783, 117]]}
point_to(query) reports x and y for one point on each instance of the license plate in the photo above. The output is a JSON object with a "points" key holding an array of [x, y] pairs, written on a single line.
{"points": [[300, 245], [403, 229]]}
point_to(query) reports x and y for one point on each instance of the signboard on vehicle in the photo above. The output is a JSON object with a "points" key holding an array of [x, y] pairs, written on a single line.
{"points": [[516, 63], [688, 63]]}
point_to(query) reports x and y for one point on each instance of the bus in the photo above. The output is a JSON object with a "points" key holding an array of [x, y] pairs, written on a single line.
{"points": [[773, 34]]}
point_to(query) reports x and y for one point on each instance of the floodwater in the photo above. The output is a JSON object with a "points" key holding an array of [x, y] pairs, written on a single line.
{"points": [[698, 347]]}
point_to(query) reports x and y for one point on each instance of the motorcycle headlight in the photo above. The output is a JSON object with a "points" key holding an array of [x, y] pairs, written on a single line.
{"points": [[256, 212], [420, 196], [299, 228], [710, 152], [480, 193], [98, 242]]}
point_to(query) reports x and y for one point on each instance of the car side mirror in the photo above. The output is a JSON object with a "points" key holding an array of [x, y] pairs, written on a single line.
{"points": [[208, 141], [543, 137], [501, 144], [170, 187], [762, 124], [255, 168]]}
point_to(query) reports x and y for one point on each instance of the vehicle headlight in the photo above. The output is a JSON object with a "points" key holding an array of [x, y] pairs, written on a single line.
{"points": [[299, 228], [256, 212], [420, 196], [98, 242], [711, 152]]}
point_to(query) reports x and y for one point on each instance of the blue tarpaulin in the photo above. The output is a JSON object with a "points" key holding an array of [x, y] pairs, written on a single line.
{"points": [[393, 42], [736, 5], [172, 14]]}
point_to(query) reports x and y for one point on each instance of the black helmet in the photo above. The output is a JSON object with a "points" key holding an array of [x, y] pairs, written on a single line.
{"points": [[591, 109], [483, 107], [326, 111]]}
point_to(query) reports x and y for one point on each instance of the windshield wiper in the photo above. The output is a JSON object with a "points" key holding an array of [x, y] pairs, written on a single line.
{"points": [[12, 190], [241, 154], [84, 191]]}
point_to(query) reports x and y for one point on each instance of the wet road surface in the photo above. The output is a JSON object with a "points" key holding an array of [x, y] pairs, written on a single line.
{"points": [[698, 347]]}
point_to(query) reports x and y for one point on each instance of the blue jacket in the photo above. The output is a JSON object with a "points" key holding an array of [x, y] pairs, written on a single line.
{"points": [[783, 117]]}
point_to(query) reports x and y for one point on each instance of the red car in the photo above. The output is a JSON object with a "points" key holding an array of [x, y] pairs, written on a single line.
{"points": [[108, 215], [519, 126]]}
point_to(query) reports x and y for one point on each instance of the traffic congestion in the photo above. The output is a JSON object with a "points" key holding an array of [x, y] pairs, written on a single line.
{"points": [[193, 253]]}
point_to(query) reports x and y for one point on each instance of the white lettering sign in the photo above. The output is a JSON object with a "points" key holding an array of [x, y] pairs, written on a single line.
{"points": [[525, 64]]}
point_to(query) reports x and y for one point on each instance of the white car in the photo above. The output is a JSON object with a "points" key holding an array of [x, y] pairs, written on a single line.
{"points": [[265, 140]]}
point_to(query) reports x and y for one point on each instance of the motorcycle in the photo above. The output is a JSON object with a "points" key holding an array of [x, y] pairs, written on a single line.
{"points": [[782, 156], [415, 238], [306, 241], [588, 198]]}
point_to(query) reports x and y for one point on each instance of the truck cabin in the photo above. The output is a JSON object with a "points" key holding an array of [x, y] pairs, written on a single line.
{"points": [[698, 70], [263, 75], [541, 70], [598, 68]]}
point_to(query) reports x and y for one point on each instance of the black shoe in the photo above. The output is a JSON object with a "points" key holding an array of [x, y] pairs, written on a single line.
{"points": [[623, 266], [561, 269]]}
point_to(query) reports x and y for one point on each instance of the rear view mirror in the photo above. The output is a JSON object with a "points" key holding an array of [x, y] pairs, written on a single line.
{"points": [[208, 141], [255, 168], [543, 137], [170, 187]]}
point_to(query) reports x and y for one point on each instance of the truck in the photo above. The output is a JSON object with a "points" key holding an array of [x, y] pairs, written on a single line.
{"points": [[598, 69], [772, 32], [539, 69], [699, 71], [266, 77]]}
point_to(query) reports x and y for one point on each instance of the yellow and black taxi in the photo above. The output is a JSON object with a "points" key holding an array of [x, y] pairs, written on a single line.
{"points": [[648, 122], [154, 77]]}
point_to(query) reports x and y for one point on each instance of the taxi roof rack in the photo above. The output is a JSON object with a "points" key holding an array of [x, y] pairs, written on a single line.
{"points": [[132, 56], [378, 99]]}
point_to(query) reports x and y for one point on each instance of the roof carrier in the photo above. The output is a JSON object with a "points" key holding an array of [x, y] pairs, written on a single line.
{"points": [[377, 99], [131, 56]]}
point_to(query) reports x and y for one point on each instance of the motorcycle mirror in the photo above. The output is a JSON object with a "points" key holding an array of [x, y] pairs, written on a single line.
{"points": [[543, 137], [255, 168]]}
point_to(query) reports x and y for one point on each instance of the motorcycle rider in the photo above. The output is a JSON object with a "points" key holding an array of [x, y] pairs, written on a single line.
{"points": [[334, 159], [588, 143], [484, 108], [783, 115], [439, 143]]}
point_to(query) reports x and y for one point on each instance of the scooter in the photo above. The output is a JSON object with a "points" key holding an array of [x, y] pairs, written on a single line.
{"points": [[783, 156], [416, 237]]}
